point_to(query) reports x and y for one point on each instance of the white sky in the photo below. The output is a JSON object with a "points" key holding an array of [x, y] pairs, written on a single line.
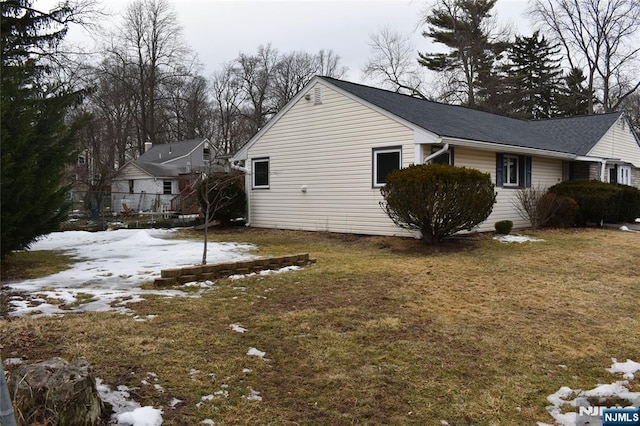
{"points": [[219, 30]]}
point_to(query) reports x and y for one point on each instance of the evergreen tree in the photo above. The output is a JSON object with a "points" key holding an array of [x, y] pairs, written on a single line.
{"points": [[533, 77], [573, 98], [462, 26], [37, 143]]}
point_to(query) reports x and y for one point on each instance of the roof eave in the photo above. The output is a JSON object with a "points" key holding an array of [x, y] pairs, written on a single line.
{"points": [[497, 147]]}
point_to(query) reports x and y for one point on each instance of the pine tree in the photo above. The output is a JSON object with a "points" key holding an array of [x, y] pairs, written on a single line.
{"points": [[573, 98], [461, 26], [37, 143], [533, 77]]}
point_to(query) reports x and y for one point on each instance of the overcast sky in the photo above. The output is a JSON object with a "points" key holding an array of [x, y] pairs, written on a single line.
{"points": [[219, 30]]}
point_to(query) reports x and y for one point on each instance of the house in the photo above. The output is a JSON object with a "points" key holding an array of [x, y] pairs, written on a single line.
{"points": [[320, 162], [162, 179]]}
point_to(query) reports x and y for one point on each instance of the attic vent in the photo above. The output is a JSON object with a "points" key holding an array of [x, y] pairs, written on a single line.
{"points": [[317, 96]]}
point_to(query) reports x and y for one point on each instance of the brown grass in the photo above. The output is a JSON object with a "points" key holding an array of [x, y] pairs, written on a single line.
{"points": [[378, 331]]}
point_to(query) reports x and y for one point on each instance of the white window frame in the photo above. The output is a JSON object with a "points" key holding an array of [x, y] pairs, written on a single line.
{"points": [[624, 175], [254, 161], [506, 168], [384, 150]]}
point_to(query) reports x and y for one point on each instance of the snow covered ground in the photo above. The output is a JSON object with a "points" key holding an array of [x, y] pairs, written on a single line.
{"points": [[111, 268]]}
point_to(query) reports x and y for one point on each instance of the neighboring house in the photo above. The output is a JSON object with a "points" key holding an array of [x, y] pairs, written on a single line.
{"points": [[162, 179], [320, 162]]}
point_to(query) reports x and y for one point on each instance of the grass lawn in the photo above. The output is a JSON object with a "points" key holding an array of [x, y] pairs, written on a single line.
{"points": [[378, 331]]}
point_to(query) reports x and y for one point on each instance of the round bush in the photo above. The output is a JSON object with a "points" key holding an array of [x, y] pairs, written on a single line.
{"points": [[503, 227], [560, 210], [438, 200]]}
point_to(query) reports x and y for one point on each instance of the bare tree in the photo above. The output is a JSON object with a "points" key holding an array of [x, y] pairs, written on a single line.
{"points": [[328, 63], [293, 71], [150, 40], [187, 107], [256, 73], [229, 129], [222, 198], [601, 36], [393, 65]]}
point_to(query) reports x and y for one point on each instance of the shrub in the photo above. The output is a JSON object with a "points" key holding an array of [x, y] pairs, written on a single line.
{"points": [[530, 208], [562, 210], [628, 203], [503, 227], [600, 201], [438, 200], [222, 197]]}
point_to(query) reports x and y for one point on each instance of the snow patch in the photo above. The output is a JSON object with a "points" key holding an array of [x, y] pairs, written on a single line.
{"points": [[265, 272], [143, 416], [253, 395], [256, 352], [628, 369], [111, 266], [516, 239], [237, 328]]}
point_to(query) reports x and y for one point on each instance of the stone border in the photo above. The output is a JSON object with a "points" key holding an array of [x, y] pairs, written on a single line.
{"points": [[179, 276]]}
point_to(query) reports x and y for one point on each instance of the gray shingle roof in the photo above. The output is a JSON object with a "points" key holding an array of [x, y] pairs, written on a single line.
{"points": [[168, 152], [574, 135], [160, 170]]}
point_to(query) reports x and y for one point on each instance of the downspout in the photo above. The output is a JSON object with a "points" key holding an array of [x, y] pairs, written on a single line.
{"points": [[247, 173], [444, 149]]}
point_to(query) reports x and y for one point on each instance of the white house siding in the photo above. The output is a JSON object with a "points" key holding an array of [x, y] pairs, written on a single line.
{"points": [[328, 149], [153, 198], [618, 142], [545, 172]]}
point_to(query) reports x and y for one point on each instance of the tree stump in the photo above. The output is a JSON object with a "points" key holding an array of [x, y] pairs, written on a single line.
{"points": [[56, 392]]}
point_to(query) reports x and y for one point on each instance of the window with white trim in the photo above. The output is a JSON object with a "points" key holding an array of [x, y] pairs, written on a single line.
{"points": [[513, 171], [510, 170], [260, 173], [385, 160], [620, 174], [624, 175]]}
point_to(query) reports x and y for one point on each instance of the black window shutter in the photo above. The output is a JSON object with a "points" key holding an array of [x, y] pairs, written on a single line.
{"points": [[499, 163], [527, 176], [521, 171]]}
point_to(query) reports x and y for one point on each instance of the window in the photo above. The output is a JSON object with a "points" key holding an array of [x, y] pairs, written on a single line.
{"points": [[624, 175], [510, 170], [206, 153], [513, 171], [444, 158], [131, 186], [260, 168], [81, 159], [620, 174], [385, 160], [166, 187]]}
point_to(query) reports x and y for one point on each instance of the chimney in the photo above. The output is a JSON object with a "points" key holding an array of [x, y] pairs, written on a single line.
{"points": [[147, 146]]}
